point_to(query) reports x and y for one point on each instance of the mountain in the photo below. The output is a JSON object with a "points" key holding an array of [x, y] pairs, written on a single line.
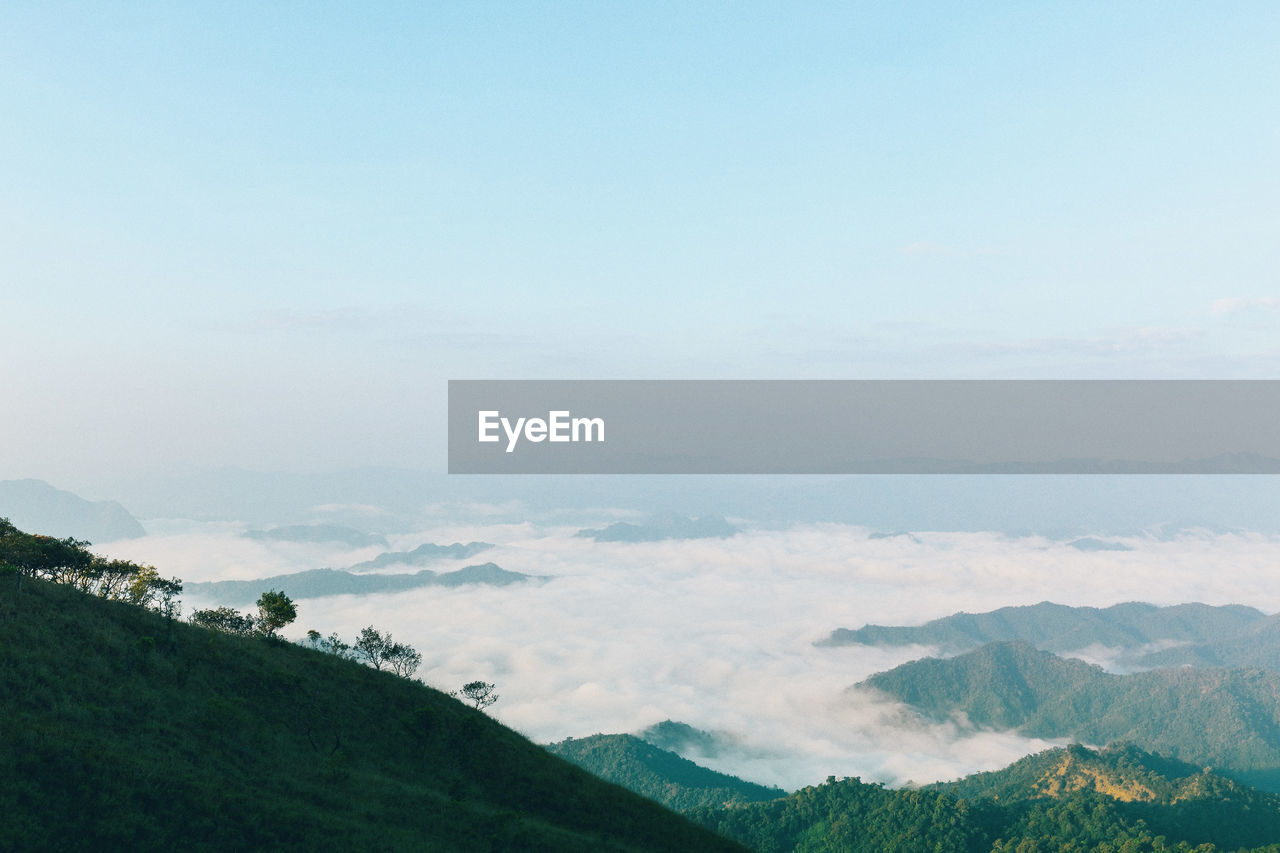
{"points": [[1121, 771], [852, 816], [662, 527], [36, 505], [1118, 799], [316, 583], [1088, 543], [1059, 628], [1171, 798], [123, 730], [658, 774], [1229, 719], [1256, 645], [318, 533], [424, 554], [683, 739], [897, 534], [1137, 636]]}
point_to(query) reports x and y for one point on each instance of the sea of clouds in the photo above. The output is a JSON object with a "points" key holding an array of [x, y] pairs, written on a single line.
{"points": [[720, 633]]}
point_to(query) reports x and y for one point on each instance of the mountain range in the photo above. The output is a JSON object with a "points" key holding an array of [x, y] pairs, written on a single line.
{"points": [[316, 583], [36, 505], [662, 527], [1143, 635], [349, 536], [1227, 719], [424, 554]]}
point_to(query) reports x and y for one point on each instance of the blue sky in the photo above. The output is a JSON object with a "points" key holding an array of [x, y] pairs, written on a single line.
{"points": [[267, 234]]}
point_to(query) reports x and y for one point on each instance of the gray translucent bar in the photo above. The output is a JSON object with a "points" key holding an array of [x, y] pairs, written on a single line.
{"points": [[865, 427]]}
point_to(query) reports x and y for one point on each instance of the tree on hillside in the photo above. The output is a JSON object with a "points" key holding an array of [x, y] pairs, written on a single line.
{"points": [[275, 610], [371, 647], [403, 660], [67, 561], [226, 619], [479, 693], [147, 589], [334, 645]]}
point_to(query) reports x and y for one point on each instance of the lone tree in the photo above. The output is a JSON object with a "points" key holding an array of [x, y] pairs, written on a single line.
{"points": [[403, 659], [372, 647], [275, 610], [480, 693]]}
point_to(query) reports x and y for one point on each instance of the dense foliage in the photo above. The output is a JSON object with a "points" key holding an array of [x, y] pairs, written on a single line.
{"points": [[852, 816], [68, 561], [1073, 799]]}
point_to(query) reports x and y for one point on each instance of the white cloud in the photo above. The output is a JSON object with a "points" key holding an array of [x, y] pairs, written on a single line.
{"points": [[720, 633]]}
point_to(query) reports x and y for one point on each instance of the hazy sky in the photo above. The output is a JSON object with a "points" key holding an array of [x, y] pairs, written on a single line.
{"points": [[267, 234]]}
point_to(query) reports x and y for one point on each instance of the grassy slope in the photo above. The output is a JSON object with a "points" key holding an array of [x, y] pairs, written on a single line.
{"points": [[122, 731]]}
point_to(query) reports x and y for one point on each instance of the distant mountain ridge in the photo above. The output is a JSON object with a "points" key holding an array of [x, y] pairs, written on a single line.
{"points": [[423, 554], [317, 583], [318, 533], [1089, 543], [662, 527], [1228, 719], [1135, 636], [36, 505], [1060, 628]]}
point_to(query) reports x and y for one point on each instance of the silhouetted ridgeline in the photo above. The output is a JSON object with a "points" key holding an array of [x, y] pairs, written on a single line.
{"points": [[424, 554], [1059, 628], [317, 583], [662, 527]]}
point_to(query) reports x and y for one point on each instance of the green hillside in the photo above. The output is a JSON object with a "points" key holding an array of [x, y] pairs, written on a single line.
{"points": [[1227, 719], [658, 774], [125, 730], [1122, 771], [852, 816], [1074, 799], [1170, 798]]}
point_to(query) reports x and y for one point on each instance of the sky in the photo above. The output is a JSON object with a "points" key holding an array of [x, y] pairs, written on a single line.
{"points": [[266, 235]]}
